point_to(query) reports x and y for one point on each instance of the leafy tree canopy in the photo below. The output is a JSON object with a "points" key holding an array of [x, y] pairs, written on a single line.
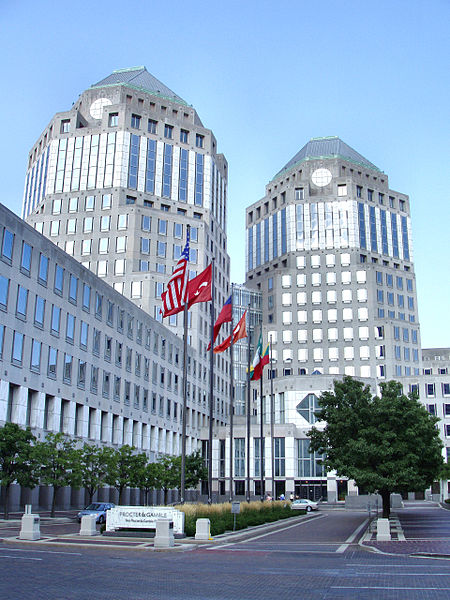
{"points": [[386, 443]]}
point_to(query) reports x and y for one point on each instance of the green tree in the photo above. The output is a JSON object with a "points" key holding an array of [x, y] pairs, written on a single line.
{"points": [[195, 469], [59, 466], [123, 467], [93, 465], [168, 474], [147, 477], [17, 464], [386, 444]]}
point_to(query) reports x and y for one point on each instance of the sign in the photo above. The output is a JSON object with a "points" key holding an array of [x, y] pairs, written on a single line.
{"points": [[235, 508], [143, 517]]}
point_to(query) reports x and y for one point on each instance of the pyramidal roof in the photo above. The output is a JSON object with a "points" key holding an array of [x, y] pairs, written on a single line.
{"points": [[140, 79], [327, 147]]}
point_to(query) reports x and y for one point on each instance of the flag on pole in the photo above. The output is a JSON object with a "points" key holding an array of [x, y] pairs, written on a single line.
{"points": [[239, 332], [174, 297], [224, 317], [259, 361], [199, 288]]}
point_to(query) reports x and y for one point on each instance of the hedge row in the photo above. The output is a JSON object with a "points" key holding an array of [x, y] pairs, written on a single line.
{"points": [[253, 513]]}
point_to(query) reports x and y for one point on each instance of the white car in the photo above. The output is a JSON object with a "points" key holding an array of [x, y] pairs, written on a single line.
{"points": [[304, 504]]}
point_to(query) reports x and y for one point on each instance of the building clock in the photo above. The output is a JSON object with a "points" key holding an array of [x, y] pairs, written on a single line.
{"points": [[96, 108], [321, 177]]}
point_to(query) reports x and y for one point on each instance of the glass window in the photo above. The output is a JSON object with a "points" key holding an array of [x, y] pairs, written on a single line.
{"points": [[184, 136], [106, 201], [56, 319], [39, 310], [56, 206], [151, 127], [35, 359], [105, 223], [161, 249], [43, 269], [52, 362], [146, 223], [22, 301], [17, 348], [25, 261], [84, 329], [113, 119], [168, 131], [7, 245], [4, 289], [59, 279], [98, 305], [199, 139], [73, 289], [135, 121], [279, 447]]}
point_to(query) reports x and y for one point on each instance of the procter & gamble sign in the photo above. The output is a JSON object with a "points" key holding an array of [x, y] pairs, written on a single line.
{"points": [[143, 517]]}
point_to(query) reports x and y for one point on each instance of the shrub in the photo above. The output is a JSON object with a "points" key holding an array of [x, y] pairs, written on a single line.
{"points": [[221, 518]]}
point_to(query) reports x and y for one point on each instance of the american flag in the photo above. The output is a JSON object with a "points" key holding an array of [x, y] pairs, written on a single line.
{"points": [[174, 297]]}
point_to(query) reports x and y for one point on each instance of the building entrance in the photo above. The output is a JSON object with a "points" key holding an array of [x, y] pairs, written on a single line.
{"points": [[315, 489]]}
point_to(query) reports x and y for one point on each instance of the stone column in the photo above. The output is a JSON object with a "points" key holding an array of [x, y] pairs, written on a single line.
{"points": [[145, 437], [137, 434], [37, 410], [54, 414], [83, 421], [20, 404], [128, 431], [4, 393], [97, 415], [107, 427]]}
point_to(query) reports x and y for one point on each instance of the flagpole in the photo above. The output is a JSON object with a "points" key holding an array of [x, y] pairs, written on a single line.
{"points": [[261, 430], [211, 387], [248, 410], [184, 419], [272, 408], [231, 399]]}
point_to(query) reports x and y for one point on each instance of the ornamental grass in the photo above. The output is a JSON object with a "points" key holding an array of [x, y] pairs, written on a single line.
{"points": [[221, 518]]}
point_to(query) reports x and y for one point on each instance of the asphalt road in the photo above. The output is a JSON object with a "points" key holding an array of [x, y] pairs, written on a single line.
{"points": [[315, 559]]}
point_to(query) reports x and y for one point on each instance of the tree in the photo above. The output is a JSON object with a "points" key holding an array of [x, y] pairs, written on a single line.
{"points": [[195, 469], [93, 465], [59, 465], [148, 477], [386, 444], [17, 462], [168, 474], [123, 467]]}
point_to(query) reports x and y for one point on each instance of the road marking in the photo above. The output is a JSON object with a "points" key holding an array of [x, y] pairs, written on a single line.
{"points": [[350, 539], [373, 587], [257, 537], [43, 551], [19, 557], [273, 551]]}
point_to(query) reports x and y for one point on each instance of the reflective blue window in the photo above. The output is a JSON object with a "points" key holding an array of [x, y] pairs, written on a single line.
{"points": [[283, 232], [275, 234], [390, 298], [400, 300], [362, 226], [266, 240], [299, 223], [409, 285], [43, 269], [56, 319], [381, 313], [394, 235], [405, 238], [250, 248], [7, 245], [373, 230], [59, 279], [314, 225], [25, 261], [73, 289], [410, 303], [167, 170], [134, 162], [4, 287], [22, 301], [258, 244], [384, 238], [389, 280], [35, 361], [379, 277], [198, 198], [150, 167], [17, 349], [182, 186], [380, 296], [86, 296], [70, 327], [414, 336], [39, 311]]}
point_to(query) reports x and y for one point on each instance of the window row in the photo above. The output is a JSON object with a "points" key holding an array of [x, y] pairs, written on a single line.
{"points": [[348, 314], [331, 297]]}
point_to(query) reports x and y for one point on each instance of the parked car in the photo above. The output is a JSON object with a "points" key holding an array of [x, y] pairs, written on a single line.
{"points": [[96, 508], [304, 504]]}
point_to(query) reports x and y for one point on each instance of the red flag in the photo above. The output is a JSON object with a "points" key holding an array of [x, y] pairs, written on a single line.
{"points": [[239, 332], [199, 288], [224, 317]]}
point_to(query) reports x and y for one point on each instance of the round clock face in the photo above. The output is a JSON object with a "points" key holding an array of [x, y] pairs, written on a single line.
{"points": [[96, 109], [321, 177]]}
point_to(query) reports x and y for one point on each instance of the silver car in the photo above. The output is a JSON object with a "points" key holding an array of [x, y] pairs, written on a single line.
{"points": [[304, 504], [96, 508]]}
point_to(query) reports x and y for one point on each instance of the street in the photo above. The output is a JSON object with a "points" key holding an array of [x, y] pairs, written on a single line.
{"points": [[318, 558]]}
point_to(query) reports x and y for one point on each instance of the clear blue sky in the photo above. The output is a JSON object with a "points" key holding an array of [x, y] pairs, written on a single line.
{"points": [[265, 77]]}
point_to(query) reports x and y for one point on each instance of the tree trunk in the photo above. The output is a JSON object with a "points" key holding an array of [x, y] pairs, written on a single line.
{"points": [[55, 490], [165, 496], [120, 495], [5, 510], [386, 498], [91, 495]]}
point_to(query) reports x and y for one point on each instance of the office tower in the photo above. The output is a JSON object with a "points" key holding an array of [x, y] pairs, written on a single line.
{"points": [[329, 246], [115, 181]]}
